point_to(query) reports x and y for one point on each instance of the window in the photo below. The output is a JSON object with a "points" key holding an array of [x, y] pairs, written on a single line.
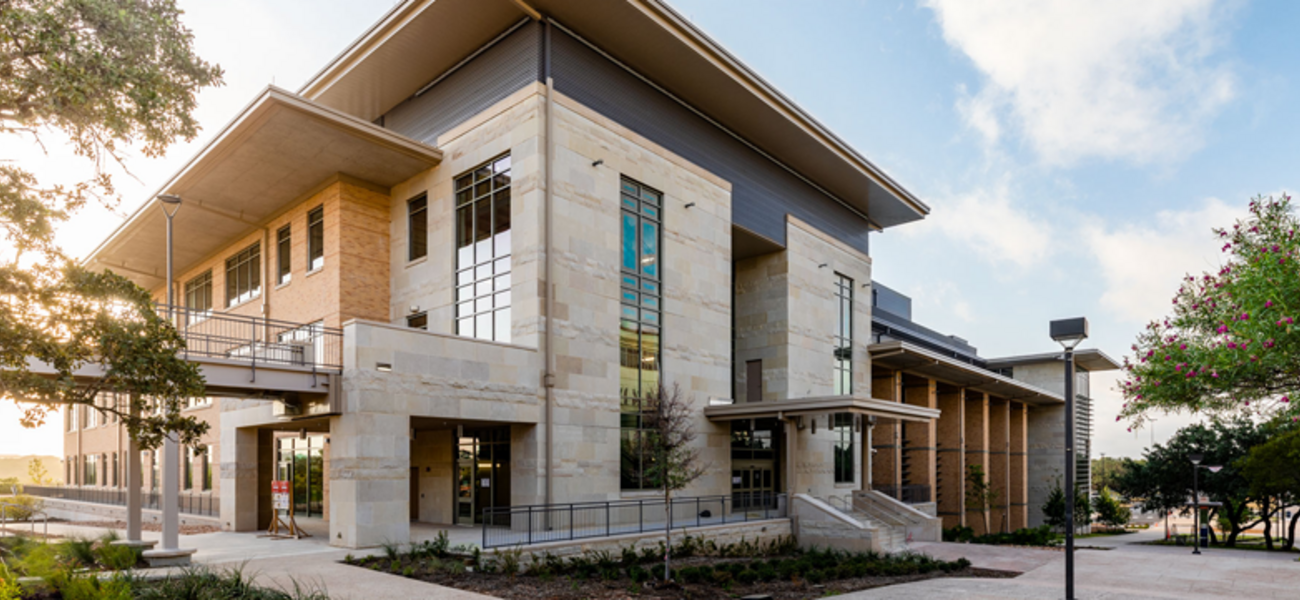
{"points": [[88, 464], [68, 468], [283, 255], [207, 467], [418, 321], [417, 226], [843, 366], [155, 466], [187, 474], [315, 238], [483, 252], [243, 275], [639, 322], [842, 434], [116, 470], [198, 298]]}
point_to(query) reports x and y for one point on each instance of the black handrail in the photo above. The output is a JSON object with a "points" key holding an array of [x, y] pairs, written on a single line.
{"points": [[257, 340], [206, 503], [541, 523]]}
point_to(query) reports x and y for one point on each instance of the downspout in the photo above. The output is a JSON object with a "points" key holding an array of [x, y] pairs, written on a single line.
{"points": [[548, 380]]}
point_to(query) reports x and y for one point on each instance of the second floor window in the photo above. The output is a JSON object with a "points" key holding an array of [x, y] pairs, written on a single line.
{"points": [[483, 251], [842, 434], [843, 365], [198, 297], [315, 238], [417, 225], [244, 275], [283, 255]]}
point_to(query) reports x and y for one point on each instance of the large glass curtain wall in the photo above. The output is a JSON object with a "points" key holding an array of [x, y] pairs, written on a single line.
{"points": [[483, 252], [639, 324]]}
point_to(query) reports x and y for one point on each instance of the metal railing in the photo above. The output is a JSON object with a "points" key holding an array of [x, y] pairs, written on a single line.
{"points": [[541, 523], [907, 494], [257, 340], [6, 508], [194, 503]]}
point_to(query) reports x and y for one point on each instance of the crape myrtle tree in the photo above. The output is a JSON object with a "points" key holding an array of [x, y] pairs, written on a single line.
{"points": [[1231, 344], [104, 77], [669, 446]]}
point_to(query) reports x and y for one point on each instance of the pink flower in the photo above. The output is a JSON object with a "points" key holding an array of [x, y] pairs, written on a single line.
{"points": [[1285, 399], [1232, 345], [1182, 346], [1268, 303]]}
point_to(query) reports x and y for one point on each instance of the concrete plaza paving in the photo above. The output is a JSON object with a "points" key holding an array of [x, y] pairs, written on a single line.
{"points": [[1125, 571]]}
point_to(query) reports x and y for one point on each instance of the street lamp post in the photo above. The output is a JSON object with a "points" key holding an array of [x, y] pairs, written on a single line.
{"points": [[1069, 333], [1196, 497], [171, 452]]}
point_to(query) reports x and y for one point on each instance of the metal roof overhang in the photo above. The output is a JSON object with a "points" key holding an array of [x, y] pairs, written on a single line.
{"points": [[280, 148], [904, 356], [864, 405], [1091, 359], [421, 39]]}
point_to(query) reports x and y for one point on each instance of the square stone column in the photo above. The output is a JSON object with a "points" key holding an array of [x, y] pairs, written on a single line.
{"points": [[1018, 459], [999, 469], [370, 458], [950, 474], [919, 438], [977, 448], [886, 463], [245, 463]]}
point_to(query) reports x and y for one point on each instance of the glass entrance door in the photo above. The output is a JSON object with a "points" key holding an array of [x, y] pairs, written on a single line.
{"points": [[755, 457], [302, 461], [482, 472]]}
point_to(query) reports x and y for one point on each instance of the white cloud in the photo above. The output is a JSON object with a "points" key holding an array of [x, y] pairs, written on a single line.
{"points": [[1112, 79], [985, 220], [946, 297], [1141, 265]]}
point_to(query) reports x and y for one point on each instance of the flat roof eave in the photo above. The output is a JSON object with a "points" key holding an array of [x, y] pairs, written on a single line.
{"points": [[851, 403], [908, 357]]}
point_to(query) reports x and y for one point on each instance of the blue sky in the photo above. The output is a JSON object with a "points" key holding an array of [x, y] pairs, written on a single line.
{"points": [[1074, 154]]}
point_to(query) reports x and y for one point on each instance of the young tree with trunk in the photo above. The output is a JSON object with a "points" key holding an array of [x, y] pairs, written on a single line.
{"points": [[980, 494], [668, 443], [103, 76], [1110, 511], [1054, 507], [1273, 470]]}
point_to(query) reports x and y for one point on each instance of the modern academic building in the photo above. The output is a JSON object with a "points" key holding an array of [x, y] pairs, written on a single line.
{"points": [[439, 278]]}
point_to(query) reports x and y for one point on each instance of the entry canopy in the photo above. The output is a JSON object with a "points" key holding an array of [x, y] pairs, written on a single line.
{"points": [[904, 356], [278, 150], [852, 403]]}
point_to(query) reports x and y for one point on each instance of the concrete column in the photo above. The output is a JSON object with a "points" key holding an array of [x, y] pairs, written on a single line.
{"points": [[239, 456], [886, 464], [370, 457], [1018, 494], [950, 475], [1045, 456], [977, 448], [919, 465], [999, 469]]}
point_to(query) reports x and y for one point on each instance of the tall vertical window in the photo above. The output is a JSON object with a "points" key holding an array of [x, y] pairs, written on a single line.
{"points": [[315, 238], [843, 372], [88, 464], [207, 468], [116, 471], [639, 320], [483, 252], [198, 297], [244, 275], [842, 435], [284, 255], [417, 227], [187, 472]]}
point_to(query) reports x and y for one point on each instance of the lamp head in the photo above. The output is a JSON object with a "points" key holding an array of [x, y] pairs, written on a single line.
{"points": [[1196, 458], [1069, 332], [1214, 469], [170, 203]]}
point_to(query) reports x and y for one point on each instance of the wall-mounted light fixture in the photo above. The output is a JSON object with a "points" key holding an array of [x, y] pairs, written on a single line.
{"points": [[415, 308], [598, 162], [689, 204], [814, 425], [823, 265], [383, 367]]}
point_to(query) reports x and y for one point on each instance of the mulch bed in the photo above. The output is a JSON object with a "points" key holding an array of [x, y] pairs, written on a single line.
{"points": [[526, 587]]}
